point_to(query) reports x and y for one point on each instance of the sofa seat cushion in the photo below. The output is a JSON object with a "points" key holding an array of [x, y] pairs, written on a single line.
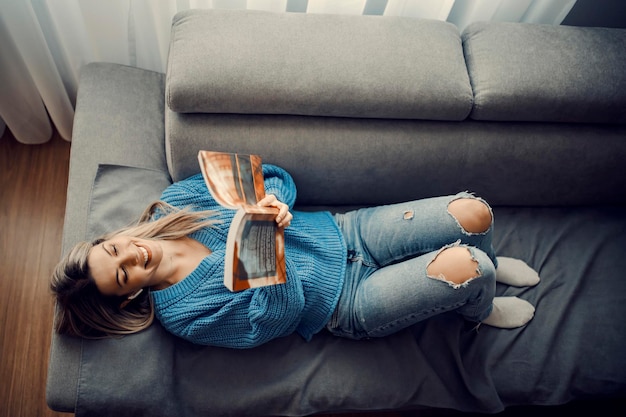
{"points": [[442, 362], [253, 62], [531, 72]]}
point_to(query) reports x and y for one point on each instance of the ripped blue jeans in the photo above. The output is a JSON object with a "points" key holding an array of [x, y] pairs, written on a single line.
{"points": [[387, 287]]}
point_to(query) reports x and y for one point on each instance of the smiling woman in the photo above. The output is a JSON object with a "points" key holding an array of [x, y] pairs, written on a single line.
{"points": [[344, 271], [99, 284], [124, 265]]}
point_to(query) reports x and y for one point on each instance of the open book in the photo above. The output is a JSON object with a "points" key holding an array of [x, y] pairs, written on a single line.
{"points": [[255, 247]]}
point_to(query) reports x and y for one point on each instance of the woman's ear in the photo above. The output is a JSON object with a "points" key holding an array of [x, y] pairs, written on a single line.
{"points": [[131, 298]]}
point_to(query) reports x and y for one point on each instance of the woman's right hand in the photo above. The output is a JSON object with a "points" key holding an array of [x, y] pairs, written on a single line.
{"points": [[284, 217]]}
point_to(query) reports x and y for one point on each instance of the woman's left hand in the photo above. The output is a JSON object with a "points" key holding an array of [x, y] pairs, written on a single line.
{"points": [[284, 216]]}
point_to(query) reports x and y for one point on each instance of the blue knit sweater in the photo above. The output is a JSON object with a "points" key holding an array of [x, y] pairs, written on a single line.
{"points": [[202, 310]]}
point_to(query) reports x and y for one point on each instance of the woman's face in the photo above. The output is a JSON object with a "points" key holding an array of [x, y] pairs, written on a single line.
{"points": [[123, 264]]}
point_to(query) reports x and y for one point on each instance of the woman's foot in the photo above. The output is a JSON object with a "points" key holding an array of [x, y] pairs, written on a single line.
{"points": [[515, 272], [509, 313]]}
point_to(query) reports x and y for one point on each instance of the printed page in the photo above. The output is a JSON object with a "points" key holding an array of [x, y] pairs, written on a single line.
{"points": [[234, 180], [254, 252]]}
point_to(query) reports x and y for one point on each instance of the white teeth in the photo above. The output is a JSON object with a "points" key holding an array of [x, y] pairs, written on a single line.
{"points": [[145, 255]]}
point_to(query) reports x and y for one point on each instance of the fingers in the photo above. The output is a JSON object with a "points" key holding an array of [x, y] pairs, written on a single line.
{"points": [[284, 220], [269, 200], [284, 217]]}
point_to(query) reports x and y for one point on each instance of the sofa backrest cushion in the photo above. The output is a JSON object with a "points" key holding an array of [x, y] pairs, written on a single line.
{"points": [[254, 62], [532, 72], [340, 161]]}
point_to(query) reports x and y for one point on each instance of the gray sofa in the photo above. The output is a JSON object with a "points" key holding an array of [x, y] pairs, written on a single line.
{"points": [[366, 111]]}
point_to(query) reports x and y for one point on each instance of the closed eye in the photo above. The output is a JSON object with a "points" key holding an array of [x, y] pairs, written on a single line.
{"points": [[117, 276]]}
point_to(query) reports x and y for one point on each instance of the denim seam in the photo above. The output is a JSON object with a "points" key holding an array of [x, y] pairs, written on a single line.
{"points": [[354, 256], [411, 318]]}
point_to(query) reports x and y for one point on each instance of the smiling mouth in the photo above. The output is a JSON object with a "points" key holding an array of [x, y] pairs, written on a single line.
{"points": [[147, 255]]}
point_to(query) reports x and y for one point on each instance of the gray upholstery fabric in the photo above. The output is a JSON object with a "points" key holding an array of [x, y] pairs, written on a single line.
{"points": [[571, 349], [119, 120], [113, 207], [530, 72], [319, 65], [340, 161]]}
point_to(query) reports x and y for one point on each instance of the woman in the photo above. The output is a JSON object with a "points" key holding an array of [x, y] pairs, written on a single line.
{"points": [[365, 273]]}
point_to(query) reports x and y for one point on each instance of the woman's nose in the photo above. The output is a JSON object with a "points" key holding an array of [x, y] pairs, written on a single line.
{"points": [[129, 256]]}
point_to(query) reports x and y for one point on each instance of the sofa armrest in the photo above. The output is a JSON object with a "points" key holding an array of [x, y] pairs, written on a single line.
{"points": [[119, 120]]}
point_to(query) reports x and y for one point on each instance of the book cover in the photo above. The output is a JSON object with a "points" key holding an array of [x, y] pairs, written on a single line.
{"points": [[255, 246]]}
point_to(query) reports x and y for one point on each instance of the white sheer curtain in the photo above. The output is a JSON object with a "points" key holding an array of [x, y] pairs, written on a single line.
{"points": [[44, 43]]}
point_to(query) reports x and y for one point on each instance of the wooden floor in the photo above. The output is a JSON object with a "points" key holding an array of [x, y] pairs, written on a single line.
{"points": [[33, 190], [33, 182]]}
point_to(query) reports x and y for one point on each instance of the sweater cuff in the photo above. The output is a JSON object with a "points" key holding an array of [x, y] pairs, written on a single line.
{"points": [[279, 182]]}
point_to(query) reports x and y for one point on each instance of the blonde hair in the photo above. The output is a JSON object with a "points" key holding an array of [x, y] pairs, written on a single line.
{"points": [[81, 310]]}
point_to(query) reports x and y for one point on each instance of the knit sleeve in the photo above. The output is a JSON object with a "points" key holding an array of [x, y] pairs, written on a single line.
{"points": [[190, 192], [279, 182], [193, 193]]}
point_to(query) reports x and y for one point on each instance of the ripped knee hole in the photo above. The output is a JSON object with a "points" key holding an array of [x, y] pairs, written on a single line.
{"points": [[455, 265], [472, 214]]}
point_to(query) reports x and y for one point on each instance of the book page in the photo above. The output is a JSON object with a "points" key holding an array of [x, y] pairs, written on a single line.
{"points": [[254, 252], [234, 180]]}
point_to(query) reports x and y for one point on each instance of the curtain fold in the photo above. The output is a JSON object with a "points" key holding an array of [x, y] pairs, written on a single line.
{"points": [[44, 43]]}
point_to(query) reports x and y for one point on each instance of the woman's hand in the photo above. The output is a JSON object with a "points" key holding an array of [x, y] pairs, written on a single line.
{"points": [[284, 216]]}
